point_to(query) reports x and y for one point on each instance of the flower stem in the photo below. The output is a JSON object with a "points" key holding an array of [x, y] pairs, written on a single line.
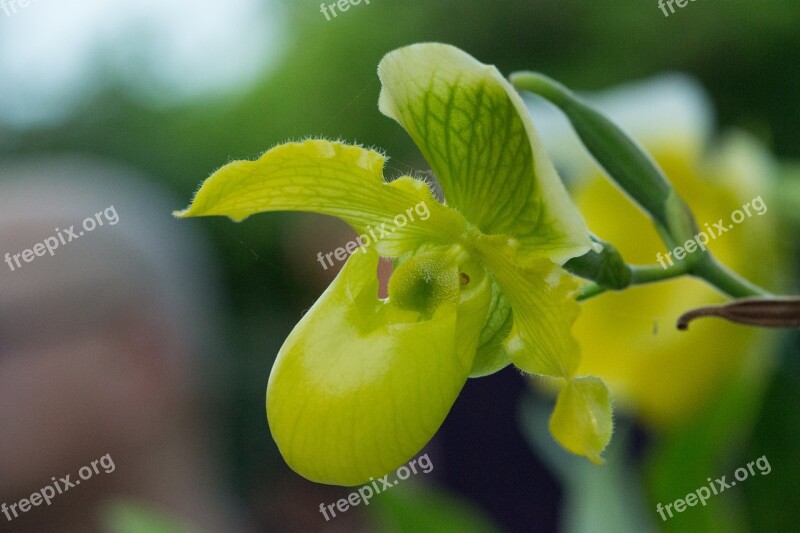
{"points": [[725, 280], [654, 273], [640, 275], [708, 269], [590, 290]]}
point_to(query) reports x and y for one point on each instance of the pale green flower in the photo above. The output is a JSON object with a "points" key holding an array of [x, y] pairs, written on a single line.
{"points": [[362, 384]]}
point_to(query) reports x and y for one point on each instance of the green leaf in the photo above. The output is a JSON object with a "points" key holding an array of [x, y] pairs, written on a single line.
{"points": [[362, 384], [334, 179], [475, 132]]}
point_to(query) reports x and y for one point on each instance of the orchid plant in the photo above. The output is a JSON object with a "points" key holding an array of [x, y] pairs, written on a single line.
{"points": [[489, 279]]}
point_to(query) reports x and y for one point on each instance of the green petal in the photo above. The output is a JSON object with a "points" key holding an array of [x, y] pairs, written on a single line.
{"points": [[334, 179], [491, 355], [543, 304], [361, 385], [581, 421], [475, 132]]}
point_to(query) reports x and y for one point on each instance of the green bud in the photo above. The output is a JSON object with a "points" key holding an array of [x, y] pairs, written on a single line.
{"points": [[606, 267], [619, 155]]}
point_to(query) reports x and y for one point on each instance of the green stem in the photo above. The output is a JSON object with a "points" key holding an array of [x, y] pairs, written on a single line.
{"points": [[640, 275], [654, 273], [590, 290], [725, 280], [708, 269]]}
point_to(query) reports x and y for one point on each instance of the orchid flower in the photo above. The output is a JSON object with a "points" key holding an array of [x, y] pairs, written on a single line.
{"points": [[361, 383]]}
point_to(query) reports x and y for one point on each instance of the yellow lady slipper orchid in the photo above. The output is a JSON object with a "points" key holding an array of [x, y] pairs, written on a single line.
{"points": [[362, 384]]}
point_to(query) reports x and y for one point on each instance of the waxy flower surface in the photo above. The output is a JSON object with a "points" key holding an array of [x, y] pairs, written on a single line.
{"points": [[361, 383]]}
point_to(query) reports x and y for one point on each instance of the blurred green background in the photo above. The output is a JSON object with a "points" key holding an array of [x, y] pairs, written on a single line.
{"points": [[319, 80]]}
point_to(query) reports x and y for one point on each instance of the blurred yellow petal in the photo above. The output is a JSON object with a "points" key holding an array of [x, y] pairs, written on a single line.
{"points": [[662, 373]]}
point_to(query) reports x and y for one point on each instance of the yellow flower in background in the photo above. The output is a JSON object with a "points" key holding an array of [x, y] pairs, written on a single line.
{"points": [[629, 338]]}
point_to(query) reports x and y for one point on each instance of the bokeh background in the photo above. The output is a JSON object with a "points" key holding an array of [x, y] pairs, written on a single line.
{"points": [[174, 90]]}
